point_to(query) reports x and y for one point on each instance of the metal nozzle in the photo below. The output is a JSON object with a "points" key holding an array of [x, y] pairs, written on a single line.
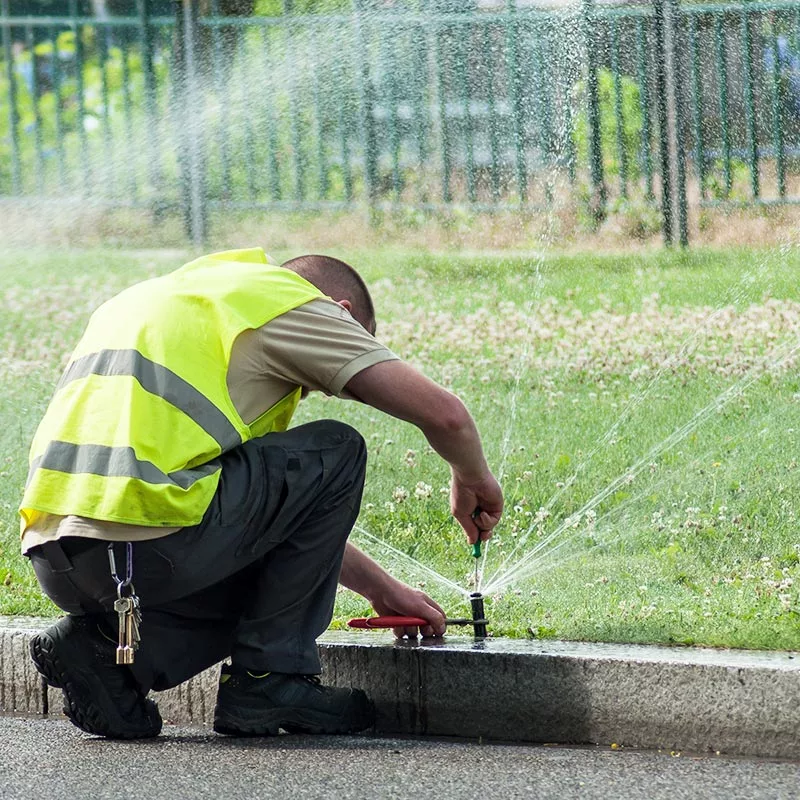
{"points": [[479, 620]]}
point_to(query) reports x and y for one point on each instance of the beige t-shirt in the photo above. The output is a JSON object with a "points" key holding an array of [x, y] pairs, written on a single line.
{"points": [[317, 345]]}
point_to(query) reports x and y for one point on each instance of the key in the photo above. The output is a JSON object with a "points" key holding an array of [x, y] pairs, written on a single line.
{"points": [[129, 635], [124, 608], [136, 621]]}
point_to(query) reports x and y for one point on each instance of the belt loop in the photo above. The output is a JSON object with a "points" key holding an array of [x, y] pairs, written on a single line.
{"points": [[56, 557]]}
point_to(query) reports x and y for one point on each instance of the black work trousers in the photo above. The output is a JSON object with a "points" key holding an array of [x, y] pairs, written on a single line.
{"points": [[255, 580]]}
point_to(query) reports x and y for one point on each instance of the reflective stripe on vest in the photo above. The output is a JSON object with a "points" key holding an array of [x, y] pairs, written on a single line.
{"points": [[114, 462], [160, 381]]}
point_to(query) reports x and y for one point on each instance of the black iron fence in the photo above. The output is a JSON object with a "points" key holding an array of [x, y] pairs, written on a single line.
{"points": [[491, 106]]}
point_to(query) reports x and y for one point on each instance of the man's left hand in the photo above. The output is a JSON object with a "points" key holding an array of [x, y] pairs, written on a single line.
{"points": [[400, 600]]}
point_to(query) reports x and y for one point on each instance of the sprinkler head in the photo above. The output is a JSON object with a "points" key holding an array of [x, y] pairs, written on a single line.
{"points": [[478, 618]]}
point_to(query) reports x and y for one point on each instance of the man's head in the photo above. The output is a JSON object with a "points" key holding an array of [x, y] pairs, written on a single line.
{"points": [[340, 282]]}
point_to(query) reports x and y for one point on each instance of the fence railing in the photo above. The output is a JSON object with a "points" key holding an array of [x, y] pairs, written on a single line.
{"points": [[497, 107]]}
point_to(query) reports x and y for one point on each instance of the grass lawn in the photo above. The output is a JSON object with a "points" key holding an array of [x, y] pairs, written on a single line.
{"points": [[642, 412]]}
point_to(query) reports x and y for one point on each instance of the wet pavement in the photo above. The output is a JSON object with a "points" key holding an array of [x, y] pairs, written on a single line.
{"points": [[50, 758]]}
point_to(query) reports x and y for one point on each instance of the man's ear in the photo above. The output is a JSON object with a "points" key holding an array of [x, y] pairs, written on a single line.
{"points": [[346, 305]]}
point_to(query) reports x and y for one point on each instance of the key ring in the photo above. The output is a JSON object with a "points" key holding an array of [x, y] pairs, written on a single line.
{"points": [[121, 585], [112, 562]]}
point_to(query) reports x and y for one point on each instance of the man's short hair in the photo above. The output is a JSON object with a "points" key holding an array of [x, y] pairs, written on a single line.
{"points": [[339, 281]]}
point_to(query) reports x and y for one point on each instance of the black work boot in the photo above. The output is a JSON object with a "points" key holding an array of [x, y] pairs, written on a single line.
{"points": [[100, 697], [248, 705]]}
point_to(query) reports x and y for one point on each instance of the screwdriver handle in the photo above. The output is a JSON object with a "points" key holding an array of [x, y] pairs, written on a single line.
{"points": [[387, 622], [476, 549], [368, 623]]}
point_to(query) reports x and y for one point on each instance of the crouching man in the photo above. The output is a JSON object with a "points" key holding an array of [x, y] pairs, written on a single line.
{"points": [[172, 515]]}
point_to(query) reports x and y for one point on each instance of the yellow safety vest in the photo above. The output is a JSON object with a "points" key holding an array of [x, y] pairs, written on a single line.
{"points": [[142, 411]]}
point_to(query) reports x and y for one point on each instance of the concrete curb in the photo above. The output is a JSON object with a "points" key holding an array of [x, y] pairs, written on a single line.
{"points": [[737, 702]]}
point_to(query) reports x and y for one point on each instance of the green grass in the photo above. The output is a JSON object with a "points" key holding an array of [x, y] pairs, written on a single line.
{"points": [[577, 368]]}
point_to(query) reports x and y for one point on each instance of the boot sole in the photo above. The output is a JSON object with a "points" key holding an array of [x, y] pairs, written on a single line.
{"points": [[292, 720], [81, 705]]}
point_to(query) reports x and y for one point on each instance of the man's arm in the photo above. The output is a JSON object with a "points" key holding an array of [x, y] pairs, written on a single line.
{"points": [[396, 388]]}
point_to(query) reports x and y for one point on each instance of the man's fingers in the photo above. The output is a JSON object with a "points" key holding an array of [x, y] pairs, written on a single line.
{"points": [[433, 604], [480, 527], [468, 524], [486, 522], [426, 631]]}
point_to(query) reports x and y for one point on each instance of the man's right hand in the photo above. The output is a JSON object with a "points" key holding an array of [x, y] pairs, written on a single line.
{"points": [[476, 505]]}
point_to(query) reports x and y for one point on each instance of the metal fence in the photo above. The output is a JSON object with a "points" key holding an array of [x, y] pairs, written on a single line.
{"points": [[497, 106]]}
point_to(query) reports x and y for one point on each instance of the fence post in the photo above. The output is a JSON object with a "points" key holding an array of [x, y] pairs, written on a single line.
{"points": [[777, 128], [644, 106], [676, 94], [659, 24], [750, 105], [367, 103], [190, 134], [515, 90], [697, 102], [13, 111], [599, 193], [151, 108], [80, 89]]}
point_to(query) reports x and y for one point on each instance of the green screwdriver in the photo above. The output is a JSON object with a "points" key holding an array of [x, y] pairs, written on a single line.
{"points": [[476, 554], [476, 548]]}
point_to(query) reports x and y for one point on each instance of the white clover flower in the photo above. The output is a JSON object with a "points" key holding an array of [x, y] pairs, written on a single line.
{"points": [[400, 494], [423, 490]]}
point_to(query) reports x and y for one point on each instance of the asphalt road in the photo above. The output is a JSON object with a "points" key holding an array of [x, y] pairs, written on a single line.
{"points": [[51, 759]]}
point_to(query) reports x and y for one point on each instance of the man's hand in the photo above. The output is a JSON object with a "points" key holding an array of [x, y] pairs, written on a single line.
{"points": [[476, 505], [402, 601], [388, 596]]}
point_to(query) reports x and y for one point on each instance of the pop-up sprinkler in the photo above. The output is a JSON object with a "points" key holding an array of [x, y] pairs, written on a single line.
{"points": [[478, 619]]}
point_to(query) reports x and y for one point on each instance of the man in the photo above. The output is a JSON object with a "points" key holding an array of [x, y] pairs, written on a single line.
{"points": [[163, 474]]}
